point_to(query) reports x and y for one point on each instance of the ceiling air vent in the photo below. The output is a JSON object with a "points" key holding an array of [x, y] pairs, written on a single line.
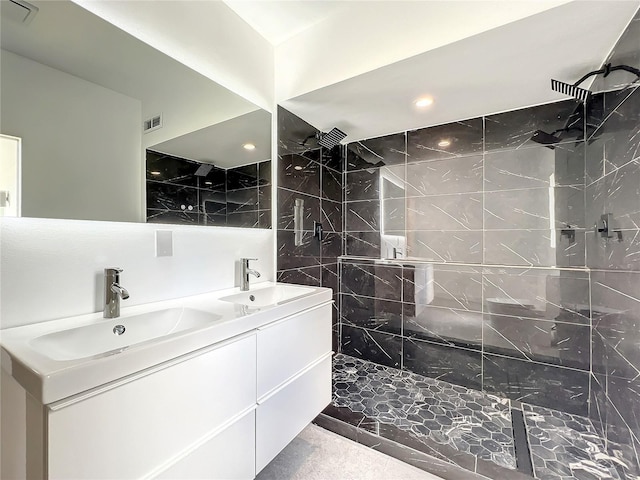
{"points": [[152, 123], [19, 11]]}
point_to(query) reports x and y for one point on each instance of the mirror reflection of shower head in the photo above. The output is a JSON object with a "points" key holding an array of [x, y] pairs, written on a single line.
{"points": [[581, 93], [332, 138]]}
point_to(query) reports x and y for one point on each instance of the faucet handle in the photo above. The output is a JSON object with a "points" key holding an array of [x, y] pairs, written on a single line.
{"points": [[247, 260], [112, 270]]}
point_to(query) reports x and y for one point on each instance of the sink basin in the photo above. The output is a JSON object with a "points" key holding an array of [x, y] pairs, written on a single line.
{"points": [[265, 297], [103, 338]]}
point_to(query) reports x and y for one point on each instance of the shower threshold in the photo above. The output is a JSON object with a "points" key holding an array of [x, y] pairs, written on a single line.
{"points": [[451, 431]]}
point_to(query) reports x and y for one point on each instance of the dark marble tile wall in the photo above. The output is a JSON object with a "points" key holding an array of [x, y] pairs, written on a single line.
{"points": [[481, 207], [312, 176], [613, 187], [177, 193]]}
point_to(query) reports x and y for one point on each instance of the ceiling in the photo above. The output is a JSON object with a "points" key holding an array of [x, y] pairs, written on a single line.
{"points": [[219, 144], [505, 68], [279, 20], [471, 74]]}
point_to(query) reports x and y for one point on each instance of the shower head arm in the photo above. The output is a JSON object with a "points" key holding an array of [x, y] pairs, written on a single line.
{"points": [[606, 70]]}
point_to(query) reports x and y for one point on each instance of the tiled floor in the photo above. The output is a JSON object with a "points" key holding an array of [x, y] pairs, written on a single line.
{"points": [[564, 446], [468, 428], [468, 420]]}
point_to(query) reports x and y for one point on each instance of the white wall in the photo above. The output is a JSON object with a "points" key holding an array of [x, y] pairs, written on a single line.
{"points": [[209, 37], [81, 143], [53, 268]]}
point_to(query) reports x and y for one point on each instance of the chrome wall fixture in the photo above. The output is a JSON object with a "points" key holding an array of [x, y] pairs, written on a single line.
{"points": [[298, 220]]}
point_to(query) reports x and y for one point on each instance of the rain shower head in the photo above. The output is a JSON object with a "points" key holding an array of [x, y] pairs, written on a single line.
{"points": [[550, 139], [581, 93], [544, 138], [332, 138], [203, 170], [571, 90]]}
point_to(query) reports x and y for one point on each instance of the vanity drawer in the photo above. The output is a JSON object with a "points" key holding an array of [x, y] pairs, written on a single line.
{"points": [[229, 455], [287, 412], [287, 347], [132, 429]]}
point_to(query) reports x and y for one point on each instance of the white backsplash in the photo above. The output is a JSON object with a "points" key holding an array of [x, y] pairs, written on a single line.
{"points": [[52, 269]]}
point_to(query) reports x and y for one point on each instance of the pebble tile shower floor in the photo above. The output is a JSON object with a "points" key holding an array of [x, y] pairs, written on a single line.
{"points": [[445, 419]]}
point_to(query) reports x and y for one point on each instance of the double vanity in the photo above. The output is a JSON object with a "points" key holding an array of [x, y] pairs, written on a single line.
{"points": [[208, 386]]}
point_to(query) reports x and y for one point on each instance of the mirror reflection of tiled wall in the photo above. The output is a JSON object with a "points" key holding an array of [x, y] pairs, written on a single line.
{"points": [[181, 191]]}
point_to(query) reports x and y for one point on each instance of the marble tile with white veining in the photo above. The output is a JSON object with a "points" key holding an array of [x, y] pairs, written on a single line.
{"points": [[542, 341], [557, 295], [447, 286], [534, 208], [561, 248], [447, 141], [377, 347], [292, 256], [286, 209], [566, 447], [515, 129], [362, 244], [453, 327], [332, 187], [461, 246], [459, 366], [362, 216], [438, 177], [376, 152], [445, 212], [436, 411], [372, 313], [294, 134], [300, 173], [372, 280], [534, 168], [303, 276], [537, 383]]}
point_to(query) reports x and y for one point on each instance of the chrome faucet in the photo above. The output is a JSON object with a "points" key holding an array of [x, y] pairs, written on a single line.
{"points": [[246, 271], [113, 292]]}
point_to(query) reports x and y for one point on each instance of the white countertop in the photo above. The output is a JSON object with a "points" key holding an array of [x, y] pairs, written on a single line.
{"points": [[50, 380]]}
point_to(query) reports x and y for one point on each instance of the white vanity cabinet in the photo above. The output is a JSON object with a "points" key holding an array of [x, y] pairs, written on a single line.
{"points": [[136, 429], [220, 411], [294, 378]]}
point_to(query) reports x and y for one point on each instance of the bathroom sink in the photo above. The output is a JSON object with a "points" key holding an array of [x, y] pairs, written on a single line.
{"points": [[112, 336], [268, 296]]}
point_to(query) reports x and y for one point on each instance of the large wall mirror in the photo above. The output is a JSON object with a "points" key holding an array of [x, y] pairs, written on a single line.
{"points": [[111, 129]]}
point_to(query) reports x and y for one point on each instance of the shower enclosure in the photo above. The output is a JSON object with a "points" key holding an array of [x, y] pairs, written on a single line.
{"points": [[487, 284]]}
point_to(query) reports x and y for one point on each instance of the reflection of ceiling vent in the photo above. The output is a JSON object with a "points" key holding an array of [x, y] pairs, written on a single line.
{"points": [[20, 11], [153, 123]]}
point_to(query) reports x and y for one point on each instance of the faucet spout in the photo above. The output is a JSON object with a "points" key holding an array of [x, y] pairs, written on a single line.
{"points": [[246, 271], [121, 291], [113, 292], [253, 272]]}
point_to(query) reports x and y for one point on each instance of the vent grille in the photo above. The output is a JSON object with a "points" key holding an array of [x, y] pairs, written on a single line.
{"points": [[152, 123], [22, 11]]}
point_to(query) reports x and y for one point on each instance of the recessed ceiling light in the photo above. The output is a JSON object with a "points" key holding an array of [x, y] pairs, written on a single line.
{"points": [[444, 143], [249, 146], [424, 102], [208, 183], [297, 167], [155, 172]]}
